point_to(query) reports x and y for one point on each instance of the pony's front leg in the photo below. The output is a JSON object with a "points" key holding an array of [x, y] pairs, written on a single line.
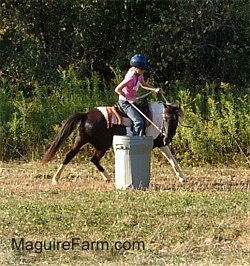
{"points": [[178, 171], [105, 176], [57, 175]]}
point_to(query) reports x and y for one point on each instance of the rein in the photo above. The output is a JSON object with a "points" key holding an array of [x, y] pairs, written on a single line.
{"points": [[162, 94], [143, 96], [164, 98], [150, 121]]}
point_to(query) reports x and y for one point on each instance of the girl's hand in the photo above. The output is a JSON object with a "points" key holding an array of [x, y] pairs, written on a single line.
{"points": [[158, 90]]}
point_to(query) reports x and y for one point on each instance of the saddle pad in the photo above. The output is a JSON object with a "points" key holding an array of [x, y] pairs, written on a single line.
{"points": [[112, 117]]}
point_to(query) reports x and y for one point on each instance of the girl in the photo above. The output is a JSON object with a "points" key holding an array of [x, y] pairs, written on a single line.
{"points": [[127, 91]]}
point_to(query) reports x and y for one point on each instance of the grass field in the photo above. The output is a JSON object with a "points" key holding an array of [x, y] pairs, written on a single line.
{"points": [[203, 222]]}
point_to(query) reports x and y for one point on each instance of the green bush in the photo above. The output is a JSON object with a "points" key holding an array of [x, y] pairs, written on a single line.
{"points": [[218, 126], [214, 128]]}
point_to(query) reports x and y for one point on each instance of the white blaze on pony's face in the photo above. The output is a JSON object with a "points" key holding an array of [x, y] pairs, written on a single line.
{"points": [[171, 114], [165, 117]]}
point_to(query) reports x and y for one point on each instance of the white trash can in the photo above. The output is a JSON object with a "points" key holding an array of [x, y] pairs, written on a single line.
{"points": [[132, 161]]}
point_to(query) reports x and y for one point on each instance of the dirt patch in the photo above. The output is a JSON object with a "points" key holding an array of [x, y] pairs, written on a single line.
{"points": [[34, 176]]}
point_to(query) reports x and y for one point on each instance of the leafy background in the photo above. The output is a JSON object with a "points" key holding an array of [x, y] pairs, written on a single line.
{"points": [[57, 59]]}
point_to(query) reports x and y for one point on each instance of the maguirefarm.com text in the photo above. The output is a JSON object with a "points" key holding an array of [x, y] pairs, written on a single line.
{"points": [[75, 243]]}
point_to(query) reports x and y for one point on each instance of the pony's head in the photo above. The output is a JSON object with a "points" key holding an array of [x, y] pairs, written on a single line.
{"points": [[171, 115]]}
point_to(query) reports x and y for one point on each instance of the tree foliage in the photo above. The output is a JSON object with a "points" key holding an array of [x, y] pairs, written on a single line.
{"points": [[192, 40], [59, 57]]}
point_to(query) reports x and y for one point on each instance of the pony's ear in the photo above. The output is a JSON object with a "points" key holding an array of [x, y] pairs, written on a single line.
{"points": [[167, 105], [177, 105]]}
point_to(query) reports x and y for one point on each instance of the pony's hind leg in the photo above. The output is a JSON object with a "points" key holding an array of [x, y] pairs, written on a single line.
{"points": [[69, 156], [58, 174], [96, 161], [66, 160]]}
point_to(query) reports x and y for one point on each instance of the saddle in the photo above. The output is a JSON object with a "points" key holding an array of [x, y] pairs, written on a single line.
{"points": [[115, 115], [142, 106]]}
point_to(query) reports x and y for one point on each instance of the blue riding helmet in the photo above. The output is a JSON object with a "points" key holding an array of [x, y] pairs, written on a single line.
{"points": [[140, 61]]}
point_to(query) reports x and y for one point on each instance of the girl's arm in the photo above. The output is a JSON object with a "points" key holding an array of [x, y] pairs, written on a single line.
{"points": [[149, 87], [119, 88]]}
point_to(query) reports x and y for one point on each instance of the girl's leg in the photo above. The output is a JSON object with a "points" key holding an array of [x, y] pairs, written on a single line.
{"points": [[138, 122]]}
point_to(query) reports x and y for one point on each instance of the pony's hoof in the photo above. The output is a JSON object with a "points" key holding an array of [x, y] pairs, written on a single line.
{"points": [[105, 176], [54, 182], [183, 179], [106, 179]]}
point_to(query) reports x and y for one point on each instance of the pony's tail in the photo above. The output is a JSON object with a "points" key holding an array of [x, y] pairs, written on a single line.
{"points": [[67, 128]]}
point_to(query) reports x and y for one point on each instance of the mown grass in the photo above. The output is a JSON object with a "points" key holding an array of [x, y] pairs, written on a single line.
{"points": [[188, 224]]}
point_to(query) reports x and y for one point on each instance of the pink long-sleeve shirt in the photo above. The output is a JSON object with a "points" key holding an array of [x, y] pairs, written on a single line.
{"points": [[132, 81]]}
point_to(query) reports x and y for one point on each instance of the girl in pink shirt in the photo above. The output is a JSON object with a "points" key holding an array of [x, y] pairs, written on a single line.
{"points": [[128, 88]]}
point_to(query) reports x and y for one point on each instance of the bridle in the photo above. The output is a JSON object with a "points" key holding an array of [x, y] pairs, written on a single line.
{"points": [[162, 130], [165, 116]]}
